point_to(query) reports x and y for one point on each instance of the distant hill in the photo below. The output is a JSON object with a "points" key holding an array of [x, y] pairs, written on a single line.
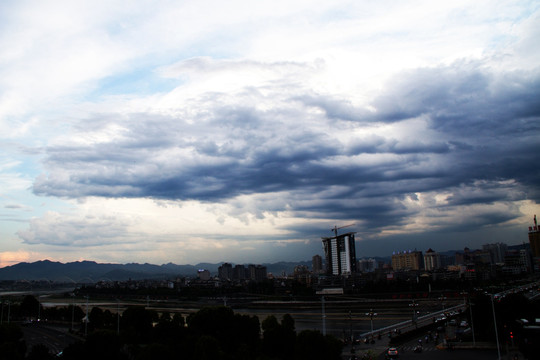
{"points": [[90, 271]]}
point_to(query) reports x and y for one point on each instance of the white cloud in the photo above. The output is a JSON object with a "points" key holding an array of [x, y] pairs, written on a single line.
{"points": [[185, 128]]}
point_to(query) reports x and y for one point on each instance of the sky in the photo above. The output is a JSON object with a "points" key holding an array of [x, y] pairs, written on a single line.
{"points": [[244, 131]]}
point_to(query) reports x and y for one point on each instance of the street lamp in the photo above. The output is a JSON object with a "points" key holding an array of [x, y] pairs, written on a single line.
{"points": [[350, 327], [442, 299], [414, 315], [86, 318], [371, 315], [72, 309], [496, 332], [117, 316], [39, 307], [471, 314]]}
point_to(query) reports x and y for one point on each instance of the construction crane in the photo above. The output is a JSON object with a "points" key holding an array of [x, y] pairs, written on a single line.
{"points": [[335, 229]]}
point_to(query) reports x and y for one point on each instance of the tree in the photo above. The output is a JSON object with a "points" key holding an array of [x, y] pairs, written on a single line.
{"points": [[96, 318], [207, 348], [312, 345], [12, 345], [279, 339], [156, 351], [104, 345], [40, 352], [216, 322], [178, 320], [136, 324], [30, 307]]}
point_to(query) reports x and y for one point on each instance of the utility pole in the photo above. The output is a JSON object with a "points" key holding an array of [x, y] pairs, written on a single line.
{"points": [[323, 317], [496, 332], [414, 315], [472, 320], [350, 326], [117, 316], [371, 314], [72, 310], [86, 318]]}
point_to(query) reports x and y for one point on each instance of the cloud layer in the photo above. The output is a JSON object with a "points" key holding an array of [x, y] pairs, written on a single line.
{"points": [[272, 125]]}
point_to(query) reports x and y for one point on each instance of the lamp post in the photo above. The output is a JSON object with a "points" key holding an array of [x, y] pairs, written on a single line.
{"points": [[442, 299], [117, 316], [468, 299], [39, 307], [371, 315], [414, 315], [72, 309], [86, 318], [496, 332], [323, 317], [350, 326]]}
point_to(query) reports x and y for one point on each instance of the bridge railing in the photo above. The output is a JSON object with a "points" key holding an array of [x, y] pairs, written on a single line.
{"points": [[422, 321]]}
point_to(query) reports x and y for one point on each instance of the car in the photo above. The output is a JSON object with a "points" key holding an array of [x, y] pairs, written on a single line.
{"points": [[392, 353], [463, 323]]}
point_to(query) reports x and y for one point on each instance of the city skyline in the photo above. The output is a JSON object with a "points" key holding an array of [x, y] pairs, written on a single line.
{"points": [[191, 132]]}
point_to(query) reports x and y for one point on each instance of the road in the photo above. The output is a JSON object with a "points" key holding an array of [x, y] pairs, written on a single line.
{"points": [[56, 339]]}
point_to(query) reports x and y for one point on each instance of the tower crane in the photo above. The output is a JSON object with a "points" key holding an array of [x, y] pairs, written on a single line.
{"points": [[335, 229]]}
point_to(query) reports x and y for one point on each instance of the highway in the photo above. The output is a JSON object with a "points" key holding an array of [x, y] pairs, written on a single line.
{"points": [[55, 338]]}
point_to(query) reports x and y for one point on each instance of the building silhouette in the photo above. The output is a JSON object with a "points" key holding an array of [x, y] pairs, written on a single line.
{"points": [[534, 239], [340, 253], [407, 260], [432, 260], [496, 251], [367, 265], [316, 264], [225, 272], [257, 272]]}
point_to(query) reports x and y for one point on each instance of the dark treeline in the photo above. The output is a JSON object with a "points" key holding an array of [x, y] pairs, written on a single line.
{"points": [[219, 333], [139, 333], [287, 289]]}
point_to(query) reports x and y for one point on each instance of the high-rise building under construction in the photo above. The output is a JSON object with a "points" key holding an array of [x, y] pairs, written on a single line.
{"points": [[340, 252], [534, 239]]}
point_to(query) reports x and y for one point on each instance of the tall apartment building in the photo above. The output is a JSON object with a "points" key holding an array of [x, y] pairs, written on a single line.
{"points": [[407, 260], [316, 264], [367, 265], [432, 260], [340, 253], [203, 274], [257, 272], [239, 272], [225, 272], [534, 239], [518, 261], [496, 252]]}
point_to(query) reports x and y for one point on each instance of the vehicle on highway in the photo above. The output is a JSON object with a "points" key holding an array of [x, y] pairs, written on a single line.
{"points": [[392, 353]]}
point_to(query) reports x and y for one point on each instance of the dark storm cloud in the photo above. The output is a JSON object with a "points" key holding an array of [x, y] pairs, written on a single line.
{"points": [[465, 100], [482, 130]]}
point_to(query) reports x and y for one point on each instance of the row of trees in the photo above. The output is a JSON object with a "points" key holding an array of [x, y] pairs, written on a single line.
{"points": [[210, 333]]}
